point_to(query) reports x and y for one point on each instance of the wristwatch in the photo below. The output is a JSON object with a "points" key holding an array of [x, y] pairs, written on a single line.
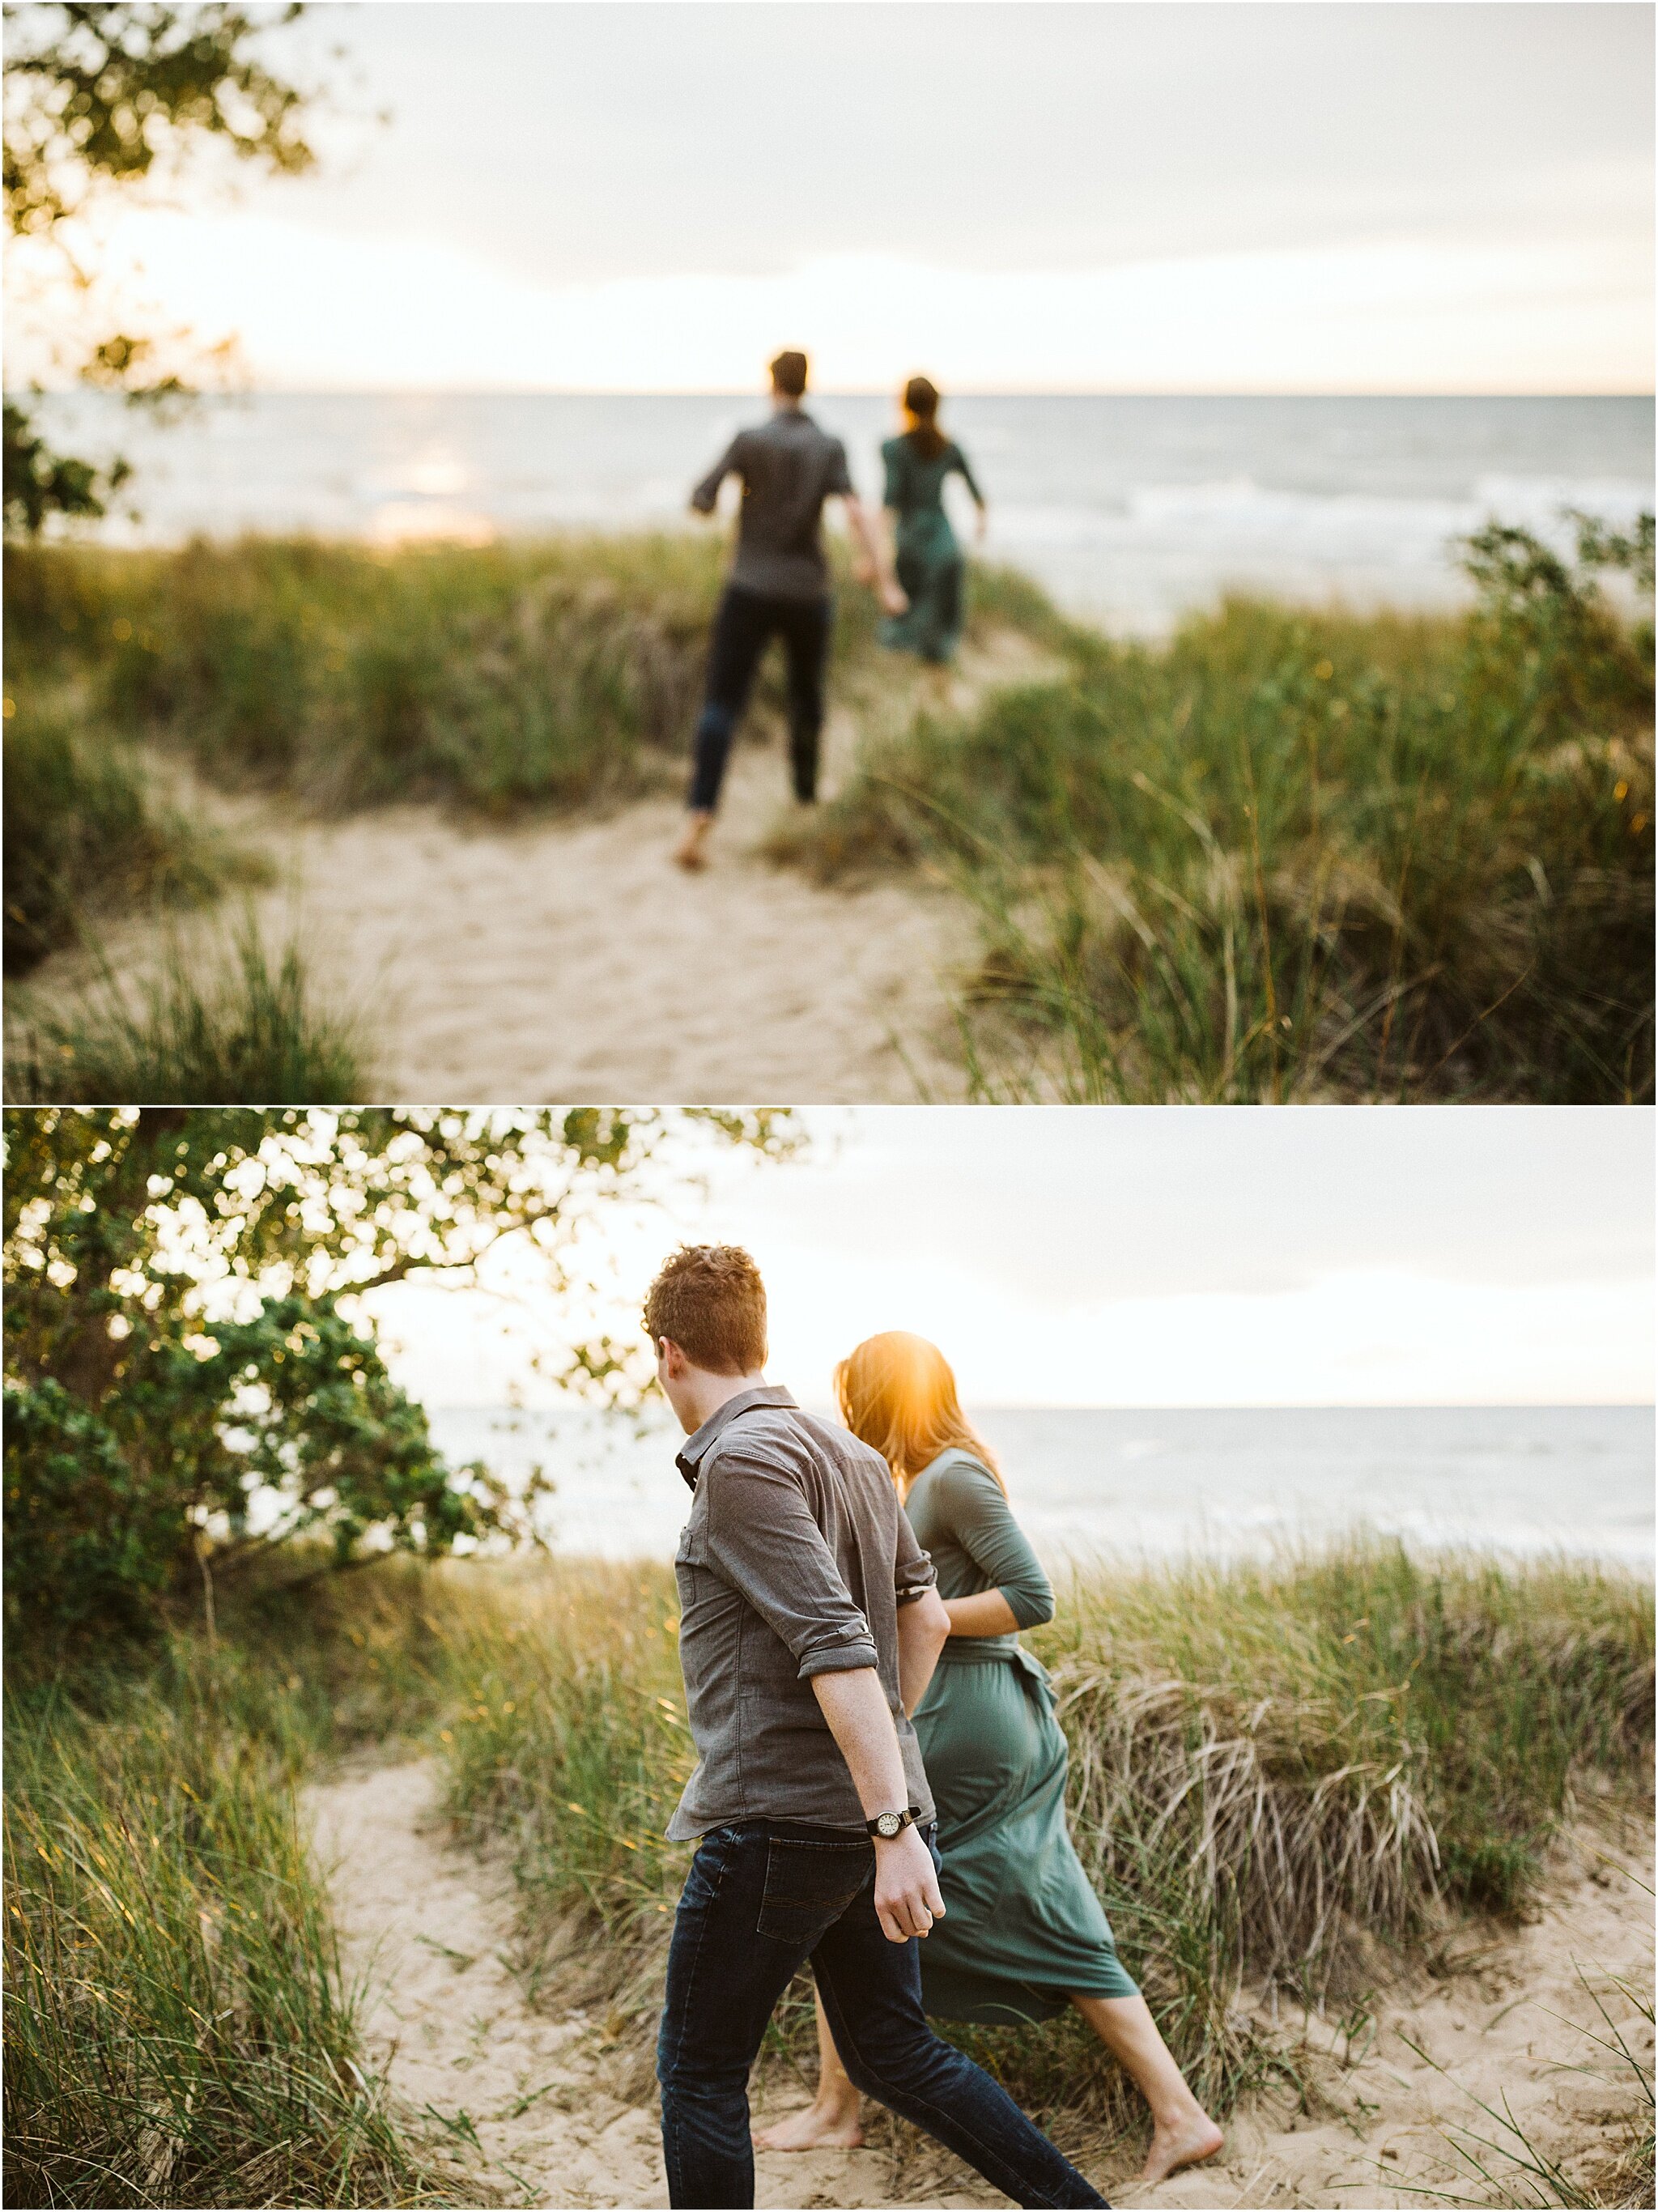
{"points": [[886, 1825]]}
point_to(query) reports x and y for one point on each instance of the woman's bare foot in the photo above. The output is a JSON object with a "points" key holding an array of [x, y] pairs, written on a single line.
{"points": [[1186, 2141], [812, 2128]]}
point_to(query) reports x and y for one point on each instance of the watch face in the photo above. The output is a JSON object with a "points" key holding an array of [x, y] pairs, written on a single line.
{"points": [[889, 1823]]}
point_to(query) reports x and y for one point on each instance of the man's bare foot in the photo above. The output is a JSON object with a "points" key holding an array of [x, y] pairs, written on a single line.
{"points": [[689, 853], [1186, 2141], [811, 2128]]}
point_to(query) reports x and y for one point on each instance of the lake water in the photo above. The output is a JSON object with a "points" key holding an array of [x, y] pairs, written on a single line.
{"points": [[1131, 510], [1157, 1484]]}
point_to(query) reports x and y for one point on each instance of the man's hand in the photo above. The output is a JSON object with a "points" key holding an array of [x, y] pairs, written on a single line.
{"points": [[906, 1899], [870, 561]]}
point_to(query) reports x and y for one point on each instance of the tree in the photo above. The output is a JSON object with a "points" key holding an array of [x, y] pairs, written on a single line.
{"points": [[191, 1381], [112, 98]]}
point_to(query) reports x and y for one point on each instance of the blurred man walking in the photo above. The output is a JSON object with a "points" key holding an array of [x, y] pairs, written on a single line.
{"points": [[778, 586]]}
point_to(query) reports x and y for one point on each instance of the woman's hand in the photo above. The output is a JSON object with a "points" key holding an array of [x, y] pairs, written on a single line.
{"points": [[893, 599]]}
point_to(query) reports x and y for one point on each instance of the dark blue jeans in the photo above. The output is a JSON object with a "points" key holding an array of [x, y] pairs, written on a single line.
{"points": [[744, 625], [761, 1899]]}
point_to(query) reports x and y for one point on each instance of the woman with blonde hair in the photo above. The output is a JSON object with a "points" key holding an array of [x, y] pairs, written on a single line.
{"points": [[1023, 1935]]}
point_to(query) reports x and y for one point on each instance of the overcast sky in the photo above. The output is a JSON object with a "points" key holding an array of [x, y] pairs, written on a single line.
{"points": [[1162, 1257], [1200, 197]]}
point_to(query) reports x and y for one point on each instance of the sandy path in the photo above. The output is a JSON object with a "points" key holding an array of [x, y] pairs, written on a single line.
{"points": [[429, 1928], [575, 963], [572, 961], [1503, 2025]]}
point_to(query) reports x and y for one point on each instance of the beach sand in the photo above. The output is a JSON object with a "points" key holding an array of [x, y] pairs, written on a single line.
{"points": [[428, 1928], [569, 960]]}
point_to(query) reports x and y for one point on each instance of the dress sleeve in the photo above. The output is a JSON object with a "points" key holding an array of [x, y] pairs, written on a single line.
{"points": [[982, 1522], [703, 498], [761, 1537], [959, 461]]}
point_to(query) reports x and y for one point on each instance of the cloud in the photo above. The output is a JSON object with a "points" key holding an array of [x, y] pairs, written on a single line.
{"points": [[341, 311]]}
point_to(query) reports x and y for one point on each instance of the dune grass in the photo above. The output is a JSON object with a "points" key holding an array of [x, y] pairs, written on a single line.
{"points": [[1297, 855], [496, 676], [1286, 856], [237, 1025], [178, 2030], [86, 835], [1295, 1776], [1282, 1778], [498, 680], [556, 673]]}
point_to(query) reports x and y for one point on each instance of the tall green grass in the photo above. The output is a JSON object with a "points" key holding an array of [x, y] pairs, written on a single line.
{"points": [[235, 1026], [498, 677], [1286, 856], [557, 673], [499, 680], [86, 835], [1293, 855], [179, 2028]]}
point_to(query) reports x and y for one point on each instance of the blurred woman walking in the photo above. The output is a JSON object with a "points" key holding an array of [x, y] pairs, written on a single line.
{"points": [[931, 571], [1023, 1935]]}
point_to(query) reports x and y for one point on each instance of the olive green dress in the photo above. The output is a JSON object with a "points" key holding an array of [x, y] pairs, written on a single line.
{"points": [[1022, 1929], [928, 558]]}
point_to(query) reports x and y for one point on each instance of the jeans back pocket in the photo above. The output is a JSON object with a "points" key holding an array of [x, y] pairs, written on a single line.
{"points": [[809, 1887]]}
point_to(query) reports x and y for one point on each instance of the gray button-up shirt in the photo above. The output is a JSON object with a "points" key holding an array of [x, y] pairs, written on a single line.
{"points": [[794, 1562], [789, 467]]}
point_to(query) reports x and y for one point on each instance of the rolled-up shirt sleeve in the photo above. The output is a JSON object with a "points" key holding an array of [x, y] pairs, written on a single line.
{"points": [[913, 1573], [730, 462], [761, 1537], [982, 1522]]}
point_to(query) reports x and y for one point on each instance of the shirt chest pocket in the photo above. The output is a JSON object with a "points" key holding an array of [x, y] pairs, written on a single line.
{"points": [[692, 1542]]}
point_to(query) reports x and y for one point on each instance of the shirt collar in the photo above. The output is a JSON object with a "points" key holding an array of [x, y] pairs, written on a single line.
{"points": [[690, 1459]]}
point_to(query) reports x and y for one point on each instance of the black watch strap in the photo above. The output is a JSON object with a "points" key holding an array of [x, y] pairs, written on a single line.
{"points": [[886, 1825]]}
